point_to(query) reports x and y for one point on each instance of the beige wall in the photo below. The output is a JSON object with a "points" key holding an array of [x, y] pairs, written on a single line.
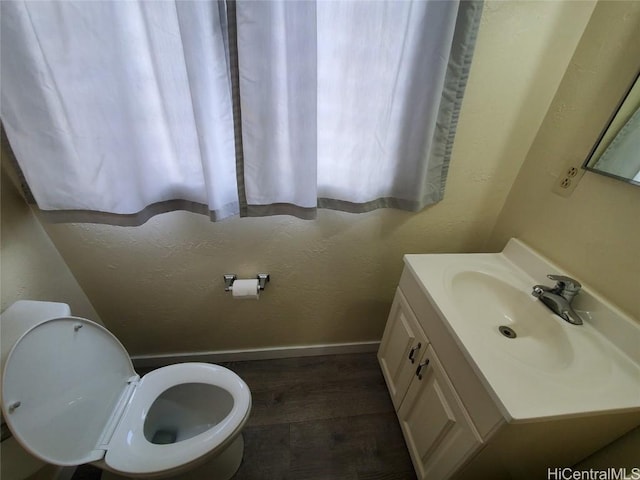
{"points": [[594, 233], [622, 453], [159, 287], [31, 267]]}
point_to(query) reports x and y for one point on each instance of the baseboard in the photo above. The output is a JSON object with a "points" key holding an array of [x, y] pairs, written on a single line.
{"points": [[147, 361]]}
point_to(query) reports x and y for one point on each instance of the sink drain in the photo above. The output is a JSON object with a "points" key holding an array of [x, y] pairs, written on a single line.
{"points": [[507, 332]]}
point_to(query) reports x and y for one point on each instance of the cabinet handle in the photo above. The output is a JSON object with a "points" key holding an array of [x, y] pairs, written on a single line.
{"points": [[413, 351], [420, 367]]}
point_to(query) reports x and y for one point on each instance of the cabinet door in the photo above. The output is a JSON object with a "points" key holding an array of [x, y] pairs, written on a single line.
{"points": [[436, 427], [402, 345]]}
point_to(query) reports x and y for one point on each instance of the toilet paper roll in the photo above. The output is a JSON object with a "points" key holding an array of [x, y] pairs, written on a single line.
{"points": [[245, 289]]}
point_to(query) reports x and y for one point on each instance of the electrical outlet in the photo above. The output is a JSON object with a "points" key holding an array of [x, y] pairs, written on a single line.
{"points": [[567, 182]]}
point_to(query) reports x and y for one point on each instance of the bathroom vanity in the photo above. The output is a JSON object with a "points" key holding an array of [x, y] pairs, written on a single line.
{"points": [[473, 402]]}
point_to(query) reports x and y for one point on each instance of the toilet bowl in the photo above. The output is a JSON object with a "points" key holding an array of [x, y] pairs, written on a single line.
{"points": [[70, 396]]}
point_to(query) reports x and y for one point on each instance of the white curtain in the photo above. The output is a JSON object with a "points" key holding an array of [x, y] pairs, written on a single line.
{"points": [[339, 101], [116, 106], [138, 107]]}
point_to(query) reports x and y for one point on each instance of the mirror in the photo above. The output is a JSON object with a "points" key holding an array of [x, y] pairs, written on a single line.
{"points": [[617, 152]]}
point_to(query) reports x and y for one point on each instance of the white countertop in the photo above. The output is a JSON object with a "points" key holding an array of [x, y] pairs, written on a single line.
{"points": [[552, 369]]}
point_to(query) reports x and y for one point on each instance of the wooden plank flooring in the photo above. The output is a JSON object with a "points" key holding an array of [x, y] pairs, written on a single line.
{"points": [[317, 418]]}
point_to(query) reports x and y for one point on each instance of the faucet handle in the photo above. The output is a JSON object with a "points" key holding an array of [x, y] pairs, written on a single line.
{"points": [[566, 283], [566, 287]]}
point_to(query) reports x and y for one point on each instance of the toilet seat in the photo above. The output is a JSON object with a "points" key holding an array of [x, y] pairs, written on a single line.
{"points": [[71, 396], [129, 451]]}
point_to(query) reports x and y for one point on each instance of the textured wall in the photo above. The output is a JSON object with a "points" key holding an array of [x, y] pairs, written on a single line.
{"points": [[32, 268], [159, 288], [594, 233]]}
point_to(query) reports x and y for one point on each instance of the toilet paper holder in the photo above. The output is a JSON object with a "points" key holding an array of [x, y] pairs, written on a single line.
{"points": [[229, 278]]}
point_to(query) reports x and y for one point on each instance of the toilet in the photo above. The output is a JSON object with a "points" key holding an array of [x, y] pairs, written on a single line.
{"points": [[70, 396]]}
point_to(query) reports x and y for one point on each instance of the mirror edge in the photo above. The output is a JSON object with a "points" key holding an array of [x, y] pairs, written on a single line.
{"points": [[585, 164]]}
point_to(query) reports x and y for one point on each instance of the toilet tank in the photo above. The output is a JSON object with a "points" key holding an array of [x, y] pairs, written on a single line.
{"points": [[21, 316]]}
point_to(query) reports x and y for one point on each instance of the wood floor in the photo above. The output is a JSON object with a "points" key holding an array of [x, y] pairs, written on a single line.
{"points": [[317, 418]]}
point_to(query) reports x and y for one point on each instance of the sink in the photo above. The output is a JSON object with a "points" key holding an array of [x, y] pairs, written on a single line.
{"points": [[550, 368], [487, 303]]}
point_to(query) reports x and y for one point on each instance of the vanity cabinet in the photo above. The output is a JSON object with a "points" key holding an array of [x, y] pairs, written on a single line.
{"points": [[436, 426], [454, 425]]}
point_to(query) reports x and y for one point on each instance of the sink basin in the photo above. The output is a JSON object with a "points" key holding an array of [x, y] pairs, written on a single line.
{"points": [[487, 303], [551, 368]]}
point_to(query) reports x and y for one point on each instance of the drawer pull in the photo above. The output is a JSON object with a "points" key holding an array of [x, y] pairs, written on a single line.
{"points": [[413, 351], [420, 367]]}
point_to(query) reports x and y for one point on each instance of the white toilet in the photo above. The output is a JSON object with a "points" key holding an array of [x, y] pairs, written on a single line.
{"points": [[70, 396]]}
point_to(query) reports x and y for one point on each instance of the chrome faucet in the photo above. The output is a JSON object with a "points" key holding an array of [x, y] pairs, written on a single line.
{"points": [[558, 298]]}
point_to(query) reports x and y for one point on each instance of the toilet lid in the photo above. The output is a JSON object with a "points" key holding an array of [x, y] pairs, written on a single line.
{"points": [[61, 383]]}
